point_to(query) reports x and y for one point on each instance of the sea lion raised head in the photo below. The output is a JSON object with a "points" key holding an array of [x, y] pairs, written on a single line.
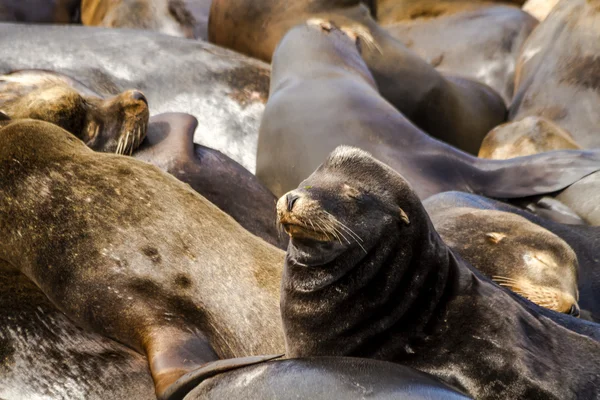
{"points": [[117, 124]]}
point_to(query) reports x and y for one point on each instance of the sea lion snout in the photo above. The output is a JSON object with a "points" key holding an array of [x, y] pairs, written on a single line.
{"points": [[301, 217]]}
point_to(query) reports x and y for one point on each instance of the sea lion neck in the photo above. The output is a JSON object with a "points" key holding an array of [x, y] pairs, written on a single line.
{"points": [[395, 292]]}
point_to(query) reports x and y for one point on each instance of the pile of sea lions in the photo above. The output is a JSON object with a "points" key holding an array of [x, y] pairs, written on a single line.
{"points": [[318, 199]]}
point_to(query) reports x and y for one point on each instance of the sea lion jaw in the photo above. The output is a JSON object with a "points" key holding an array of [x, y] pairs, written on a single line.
{"points": [[117, 125]]}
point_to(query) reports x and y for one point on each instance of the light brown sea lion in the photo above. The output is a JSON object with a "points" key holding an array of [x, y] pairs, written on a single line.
{"points": [[539, 8], [531, 135], [452, 109], [115, 124], [171, 17], [514, 253], [130, 252], [558, 72], [481, 44], [367, 275]]}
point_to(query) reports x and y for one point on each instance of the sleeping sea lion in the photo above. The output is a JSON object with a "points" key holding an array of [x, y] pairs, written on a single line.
{"points": [[454, 109], [117, 124], [129, 252], [366, 275], [323, 95]]}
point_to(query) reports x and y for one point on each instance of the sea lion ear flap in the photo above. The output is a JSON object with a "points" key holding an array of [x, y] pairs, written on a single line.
{"points": [[495, 237], [404, 217]]}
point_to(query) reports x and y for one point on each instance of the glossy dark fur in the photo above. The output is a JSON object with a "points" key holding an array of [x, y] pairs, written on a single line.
{"points": [[584, 240], [169, 145], [395, 292], [224, 90], [456, 110], [322, 95], [129, 252]]}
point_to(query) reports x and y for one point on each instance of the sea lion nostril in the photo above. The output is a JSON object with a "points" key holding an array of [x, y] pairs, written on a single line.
{"points": [[136, 95], [291, 199]]}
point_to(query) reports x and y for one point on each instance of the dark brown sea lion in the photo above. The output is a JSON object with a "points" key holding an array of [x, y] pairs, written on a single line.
{"points": [[558, 72], [539, 8], [116, 124], [169, 146], [43, 355], [36, 11], [514, 253], [224, 90], [531, 135], [456, 110], [171, 17], [584, 240], [129, 252], [322, 95], [392, 11], [366, 275], [482, 44], [322, 378]]}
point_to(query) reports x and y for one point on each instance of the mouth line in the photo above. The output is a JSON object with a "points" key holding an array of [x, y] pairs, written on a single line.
{"points": [[301, 231]]}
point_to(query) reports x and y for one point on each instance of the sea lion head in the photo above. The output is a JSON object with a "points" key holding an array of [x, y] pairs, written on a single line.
{"points": [[117, 124], [344, 207]]}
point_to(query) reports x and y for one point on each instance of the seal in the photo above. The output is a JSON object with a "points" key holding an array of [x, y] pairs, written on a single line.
{"points": [[318, 378], [169, 146], [224, 90], [531, 135], [34, 11], [117, 124], [171, 17], [394, 291], [309, 110], [582, 197], [557, 72], [515, 253], [131, 253], [481, 44], [456, 110], [43, 354], [582, 239], [539, 8]]}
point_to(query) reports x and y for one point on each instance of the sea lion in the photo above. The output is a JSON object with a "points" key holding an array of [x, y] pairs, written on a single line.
{"points": [[366, 275], [129, 252], [558, 73], [200, 9], [515, 253], [583, 197], [320, 379], [456, 110], [481, 44], [171, 17], [530, 135], [169, 146], [584, 240], [539, 8], [322, 95], [43, 355], [224, 90], [36, 11], [117, 124]]}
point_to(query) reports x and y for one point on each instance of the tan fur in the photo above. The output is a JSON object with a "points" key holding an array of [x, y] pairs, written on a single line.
{"points": [[540, 8]]}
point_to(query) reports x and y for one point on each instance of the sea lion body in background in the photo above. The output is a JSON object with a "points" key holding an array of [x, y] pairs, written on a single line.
{"points": [[456, 110], [44, 355], [481, 44], [321, 378], [129, 252], [322, 95], [514, 253], [584, 240], [169, 145], [36, 11], [200, 9], [394, 291], [224, 90], [116, 125], [583, 197], [166, 16], [558, 75], [531, 135]]}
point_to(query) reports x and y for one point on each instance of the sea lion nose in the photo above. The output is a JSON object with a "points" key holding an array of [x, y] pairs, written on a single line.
{"points": [[291, 199], [137, 95]]}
